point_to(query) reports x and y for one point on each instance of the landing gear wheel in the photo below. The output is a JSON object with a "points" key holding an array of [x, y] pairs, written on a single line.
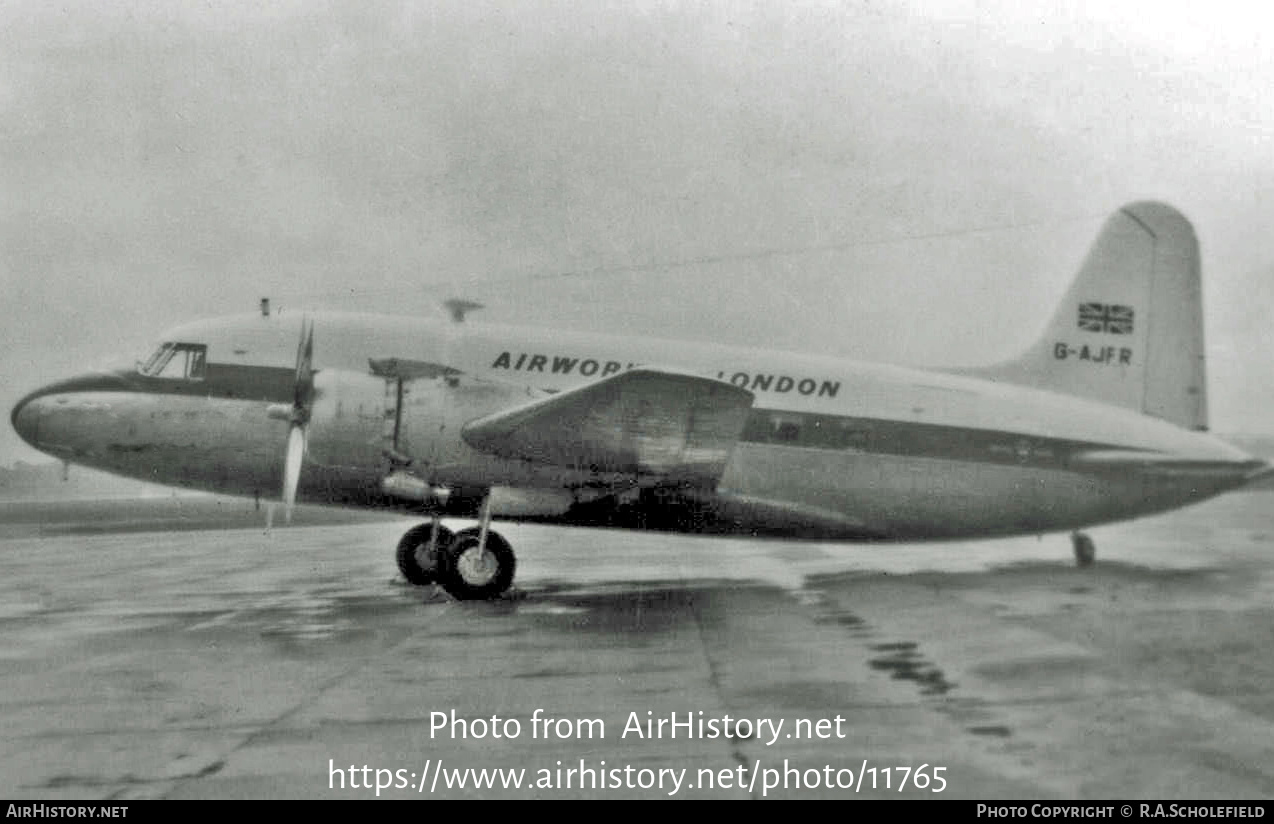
{"points": [[1085, 549], [417, 564], [469, 574]]}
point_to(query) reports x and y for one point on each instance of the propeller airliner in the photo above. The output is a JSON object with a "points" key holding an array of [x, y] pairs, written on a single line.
{"points": [[1103, 419]]}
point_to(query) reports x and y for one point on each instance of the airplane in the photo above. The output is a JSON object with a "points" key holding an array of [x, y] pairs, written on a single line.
{"points": [[1104, 418]]}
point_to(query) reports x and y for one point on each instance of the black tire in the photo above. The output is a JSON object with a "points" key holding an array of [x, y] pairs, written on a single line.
{"points": [[413, 553], [1085, 549], [466, 580]]}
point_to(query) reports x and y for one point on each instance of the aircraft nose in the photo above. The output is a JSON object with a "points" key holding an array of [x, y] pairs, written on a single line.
{"points": [[53, 416], [25, 418]]}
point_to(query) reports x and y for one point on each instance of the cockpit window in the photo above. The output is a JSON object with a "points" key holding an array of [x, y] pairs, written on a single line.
{"points": [[178, 361], [147, 367]]}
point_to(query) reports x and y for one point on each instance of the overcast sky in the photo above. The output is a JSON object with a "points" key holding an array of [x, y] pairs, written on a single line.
{"points": [[913, 182]]}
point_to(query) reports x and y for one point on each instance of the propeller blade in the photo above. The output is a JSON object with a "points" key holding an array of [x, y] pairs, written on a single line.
{"points": [[302, 401], [292, 469], [304, 385]]}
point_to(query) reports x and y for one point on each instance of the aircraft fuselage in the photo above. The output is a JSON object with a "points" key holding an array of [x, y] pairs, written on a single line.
{"points": [[831, 448]]}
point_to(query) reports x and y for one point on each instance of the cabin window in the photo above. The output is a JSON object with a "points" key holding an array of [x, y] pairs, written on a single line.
{"points": [[177, 361], [852, 437], [756, 429], [786, 429]]}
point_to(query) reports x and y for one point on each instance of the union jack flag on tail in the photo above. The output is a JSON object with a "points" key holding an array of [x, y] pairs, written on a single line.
{"points": [[1106, 317]]}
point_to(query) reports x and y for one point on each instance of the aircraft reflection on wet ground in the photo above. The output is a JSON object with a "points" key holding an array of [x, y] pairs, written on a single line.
{"points": [[149, 651]]}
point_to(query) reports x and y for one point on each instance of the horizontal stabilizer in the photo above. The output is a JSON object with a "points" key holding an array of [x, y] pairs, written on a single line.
{"points": [[1163, 464], [672, 425]]}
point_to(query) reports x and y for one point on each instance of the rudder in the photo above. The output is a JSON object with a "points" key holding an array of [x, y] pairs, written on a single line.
{"points": [[1130, 330]]}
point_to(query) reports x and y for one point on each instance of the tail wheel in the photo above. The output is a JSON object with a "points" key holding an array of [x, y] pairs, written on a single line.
{"points": [[470, 573], [416, 562], [1085, 549]]}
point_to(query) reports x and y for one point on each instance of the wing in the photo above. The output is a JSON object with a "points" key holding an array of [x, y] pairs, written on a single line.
{"points": [[670, 425]]}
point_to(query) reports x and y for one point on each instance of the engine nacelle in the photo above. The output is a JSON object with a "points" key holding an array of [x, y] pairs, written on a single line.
{"points": [[369, 425]]}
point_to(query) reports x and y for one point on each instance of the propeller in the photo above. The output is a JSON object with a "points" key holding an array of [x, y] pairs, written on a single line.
{"points": [[302, 405]]}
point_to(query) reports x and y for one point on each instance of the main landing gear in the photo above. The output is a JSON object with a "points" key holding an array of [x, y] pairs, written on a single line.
{"points": [[1085, 549], [473, 564]]}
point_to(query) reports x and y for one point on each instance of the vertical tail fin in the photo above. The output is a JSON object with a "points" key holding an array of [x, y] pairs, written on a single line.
{"points": [[1130, 329]]}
